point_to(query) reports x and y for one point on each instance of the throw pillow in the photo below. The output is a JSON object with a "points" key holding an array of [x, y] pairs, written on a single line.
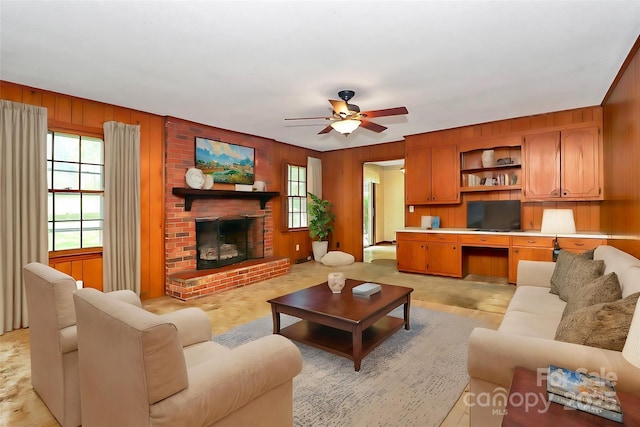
{"points": [[603, 325], [573, 270], [602, 289]]}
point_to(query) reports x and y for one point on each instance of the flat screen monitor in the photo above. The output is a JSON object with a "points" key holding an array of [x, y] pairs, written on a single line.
{"points": [[494, 215]]}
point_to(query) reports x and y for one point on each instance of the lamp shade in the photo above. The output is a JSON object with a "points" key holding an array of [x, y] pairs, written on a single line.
{"points": [[345, 127], [631, 349], [558, 221]]}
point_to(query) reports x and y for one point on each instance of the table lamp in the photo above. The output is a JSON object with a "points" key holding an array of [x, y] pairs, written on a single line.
{"points": [[631, 349], [558, 221]]}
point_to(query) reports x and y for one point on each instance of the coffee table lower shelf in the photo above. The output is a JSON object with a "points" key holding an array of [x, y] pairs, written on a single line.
{"points": [[340, 342]]}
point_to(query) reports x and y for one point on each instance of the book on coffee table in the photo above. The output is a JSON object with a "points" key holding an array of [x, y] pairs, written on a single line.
{"points": [[366, 289]]}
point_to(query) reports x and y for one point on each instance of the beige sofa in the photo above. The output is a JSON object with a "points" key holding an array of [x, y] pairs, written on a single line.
{"points": [[53, 340], [142, 369], [526, 335]]}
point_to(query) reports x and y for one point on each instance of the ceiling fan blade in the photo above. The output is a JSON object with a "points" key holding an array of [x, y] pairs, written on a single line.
{"points": [[372, 126], [339, 106], [325, 130], [308, 118], [387, 112]]}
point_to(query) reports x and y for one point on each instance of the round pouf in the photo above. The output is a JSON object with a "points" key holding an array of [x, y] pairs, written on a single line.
{"points": [[337, 258]]}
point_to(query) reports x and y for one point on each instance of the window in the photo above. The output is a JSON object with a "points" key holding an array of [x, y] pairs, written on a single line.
{"points": [[297, 196], [75, 178]]}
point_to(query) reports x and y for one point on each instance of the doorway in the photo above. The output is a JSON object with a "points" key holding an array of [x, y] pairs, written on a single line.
{"points": [[383, 208]]}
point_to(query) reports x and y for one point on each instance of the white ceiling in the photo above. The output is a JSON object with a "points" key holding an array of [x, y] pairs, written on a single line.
{"points": [[245, 66]]}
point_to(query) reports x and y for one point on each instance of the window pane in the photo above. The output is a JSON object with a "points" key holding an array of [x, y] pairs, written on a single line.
{"points": [[296, 220], [66, 147], [303, 175], [91, 177], [302, 189], [50, 233], [50, 207], [294, 173], [49, 168], [65, 176], [49, 145], [295, 204], [67, 235], [294, 189], [92, 206], [66, 206], [92, 151], [91, 234]]}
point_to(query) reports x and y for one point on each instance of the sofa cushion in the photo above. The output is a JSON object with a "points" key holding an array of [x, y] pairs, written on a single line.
{"points": [[605, 288], [536, 300], [573, 270], [530, 324], [603, 325]]}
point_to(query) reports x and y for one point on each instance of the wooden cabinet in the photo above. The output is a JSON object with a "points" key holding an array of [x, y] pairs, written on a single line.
{"points": [[444, 255], [563, 165], [431, 174], [503, 173], [411, 252], [528, 248]]}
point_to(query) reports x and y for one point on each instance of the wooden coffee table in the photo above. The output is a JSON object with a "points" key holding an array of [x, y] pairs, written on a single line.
{"points": [[342, 324]]}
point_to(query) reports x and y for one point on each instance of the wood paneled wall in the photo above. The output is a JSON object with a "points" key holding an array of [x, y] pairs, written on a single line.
{"points": [[74, 114], [621, 206], [587, 214], [342, 183]]}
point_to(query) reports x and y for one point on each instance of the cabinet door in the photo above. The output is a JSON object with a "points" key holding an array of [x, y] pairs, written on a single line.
{"points": [[444, 174], [530, 253], [418, 175], [580, 167], [444, 259], [541, 166], [411, 256]]}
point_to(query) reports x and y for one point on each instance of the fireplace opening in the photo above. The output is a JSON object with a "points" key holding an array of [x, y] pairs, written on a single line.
{"points": [[228, 240]]}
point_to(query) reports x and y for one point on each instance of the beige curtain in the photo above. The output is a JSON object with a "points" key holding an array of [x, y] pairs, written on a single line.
{"points": [[314, 176], [23, 204], [121, 253]]}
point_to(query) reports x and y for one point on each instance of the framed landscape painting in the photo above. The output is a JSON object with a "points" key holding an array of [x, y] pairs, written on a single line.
{"points": [[227, 163]]}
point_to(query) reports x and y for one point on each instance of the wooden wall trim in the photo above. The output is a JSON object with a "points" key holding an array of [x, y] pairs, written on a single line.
{"points": [[632, 53]]}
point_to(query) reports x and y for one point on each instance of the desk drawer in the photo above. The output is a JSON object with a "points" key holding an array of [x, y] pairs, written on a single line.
{"points": [[575, 244], [419, 237], [538, 242], [445, 238], [484, 240]]}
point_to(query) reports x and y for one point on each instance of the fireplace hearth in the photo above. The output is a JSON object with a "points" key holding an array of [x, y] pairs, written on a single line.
{"points": [[228, 240]]}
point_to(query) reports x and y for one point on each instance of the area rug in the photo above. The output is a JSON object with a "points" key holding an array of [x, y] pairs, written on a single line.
{"points": [[412, 379]]}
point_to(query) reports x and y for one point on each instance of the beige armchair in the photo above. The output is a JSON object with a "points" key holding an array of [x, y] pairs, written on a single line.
{"points": [[138, 368], [53, 341]]}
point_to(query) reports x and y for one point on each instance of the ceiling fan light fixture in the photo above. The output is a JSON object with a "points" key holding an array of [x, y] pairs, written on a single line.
{"points": [[345, 127]]}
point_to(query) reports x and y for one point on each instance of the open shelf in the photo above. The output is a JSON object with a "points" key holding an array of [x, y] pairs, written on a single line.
{"points": [[191, 194]]}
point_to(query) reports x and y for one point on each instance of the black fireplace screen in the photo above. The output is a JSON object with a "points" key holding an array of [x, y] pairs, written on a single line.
{"points": [[228, 240]]}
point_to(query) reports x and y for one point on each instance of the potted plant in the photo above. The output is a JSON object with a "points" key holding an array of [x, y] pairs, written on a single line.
{"points": [[320, 219]]}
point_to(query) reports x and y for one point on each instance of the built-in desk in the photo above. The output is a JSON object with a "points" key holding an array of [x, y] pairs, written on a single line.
{"points": [[458, 252]]}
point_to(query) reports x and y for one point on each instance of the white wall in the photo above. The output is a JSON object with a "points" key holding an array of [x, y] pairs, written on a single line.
{"points": [[392, 180]]}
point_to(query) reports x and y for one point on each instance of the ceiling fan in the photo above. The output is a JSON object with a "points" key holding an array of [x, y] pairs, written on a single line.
{"points": [[347, 117]]}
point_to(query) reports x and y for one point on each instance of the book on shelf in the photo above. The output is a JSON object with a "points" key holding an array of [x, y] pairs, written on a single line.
{"points": [[583, 391]]}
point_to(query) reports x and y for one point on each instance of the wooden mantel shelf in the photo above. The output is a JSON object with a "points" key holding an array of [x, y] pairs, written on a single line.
{"points": [[191, 194]]}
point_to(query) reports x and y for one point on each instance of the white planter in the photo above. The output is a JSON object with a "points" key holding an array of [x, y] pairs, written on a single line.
{"points": [[319, 249]]}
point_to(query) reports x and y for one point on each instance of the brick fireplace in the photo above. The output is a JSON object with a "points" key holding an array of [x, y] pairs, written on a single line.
{"points": [[184, 280]]}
